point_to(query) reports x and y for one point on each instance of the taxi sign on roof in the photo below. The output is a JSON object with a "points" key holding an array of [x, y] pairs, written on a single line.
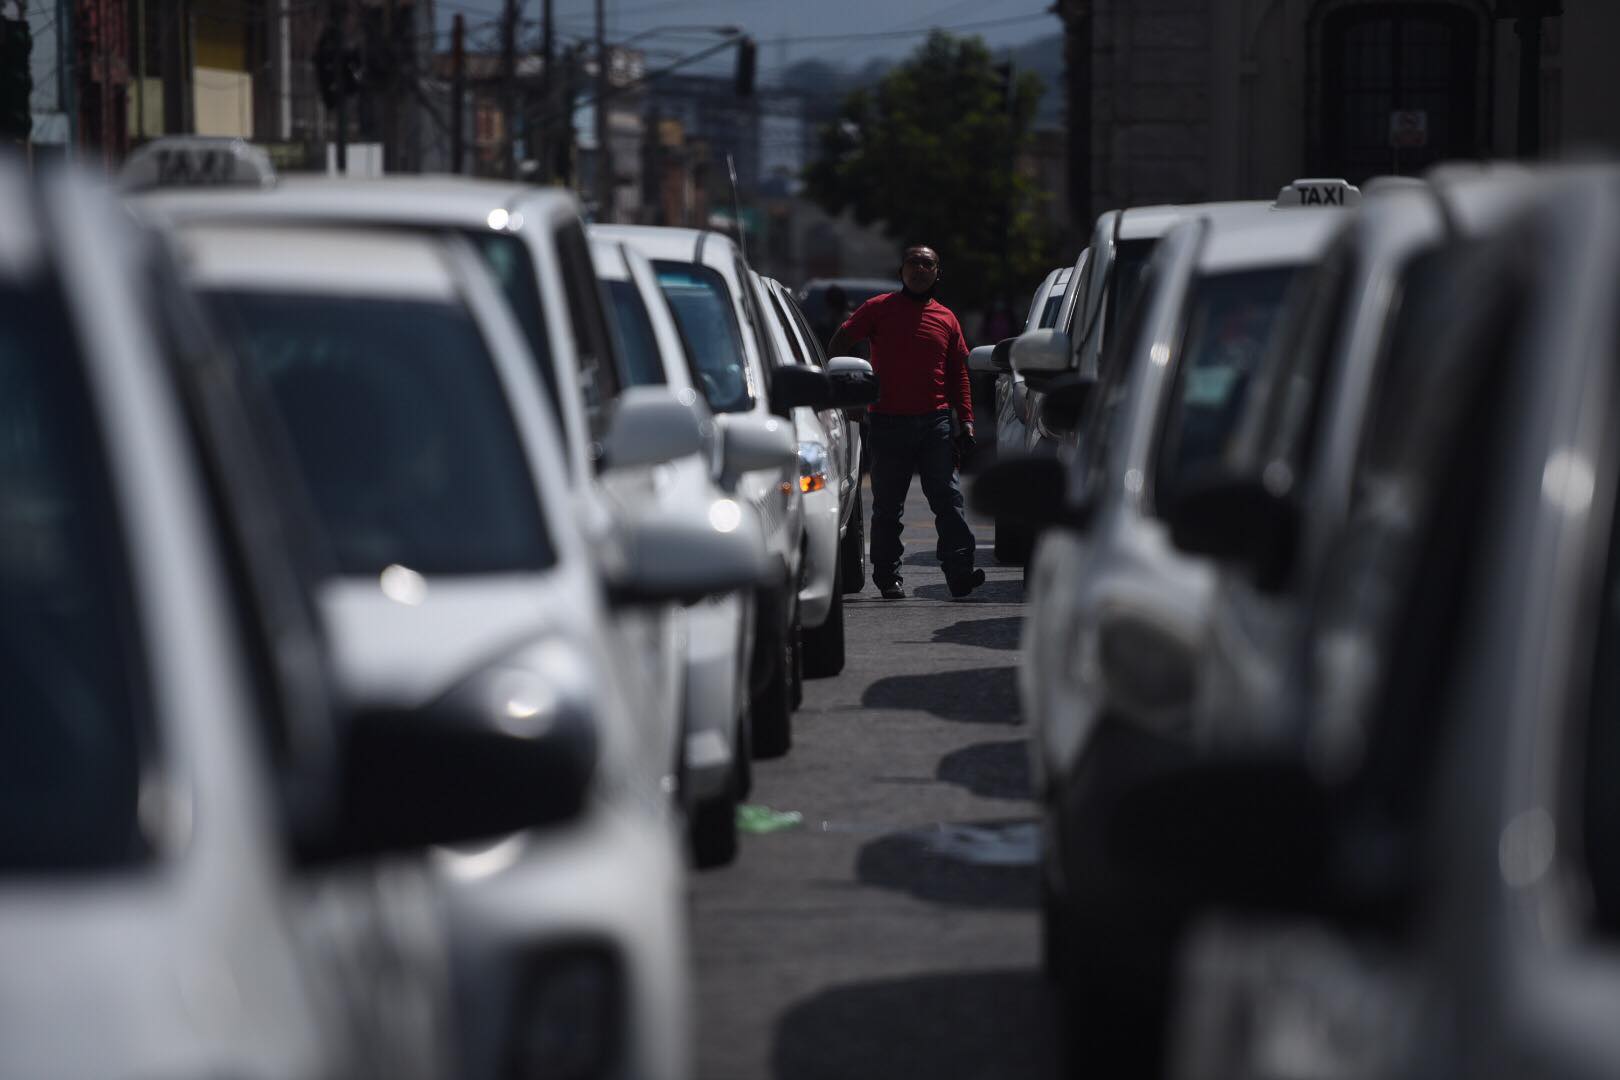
{"points": [[1318, 192], [197, 161]]}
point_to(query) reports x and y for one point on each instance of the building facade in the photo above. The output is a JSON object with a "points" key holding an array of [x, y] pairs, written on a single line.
{"points": [[1191, 100]]}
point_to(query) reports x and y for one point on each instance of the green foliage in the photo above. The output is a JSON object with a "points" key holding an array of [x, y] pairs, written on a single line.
{"points": [[929, 153]]}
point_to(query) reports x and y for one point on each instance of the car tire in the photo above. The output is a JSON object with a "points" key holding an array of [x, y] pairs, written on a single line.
{"points": [[714, 831], [796, 657], [824, 644], [852, 551], [772, 707], [1013, 543]]}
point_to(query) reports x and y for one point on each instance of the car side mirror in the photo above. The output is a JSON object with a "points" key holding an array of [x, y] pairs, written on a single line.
{"points": [[650, 426], [749, 443], [680, 558], [1033, 491], [1237, 518], [992, 359], [459, 770], [793, 387], [1063, 401], [1042, 352], [854, 383], [1252, 833]]}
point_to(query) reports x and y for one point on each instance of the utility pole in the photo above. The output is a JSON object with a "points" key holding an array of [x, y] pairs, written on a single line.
{"points": [[509, 89], [543, 150], [338, 20], [604, 154], [458, 90]]}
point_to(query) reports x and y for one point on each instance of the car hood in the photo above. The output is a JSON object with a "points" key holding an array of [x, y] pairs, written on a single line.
{"points": [[405, 654]]}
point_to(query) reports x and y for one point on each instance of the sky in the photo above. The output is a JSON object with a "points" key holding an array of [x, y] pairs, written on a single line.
{"points": [[847, 32]]}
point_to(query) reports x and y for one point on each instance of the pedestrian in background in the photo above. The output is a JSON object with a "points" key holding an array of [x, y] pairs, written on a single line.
{"points": [[920, 357]]}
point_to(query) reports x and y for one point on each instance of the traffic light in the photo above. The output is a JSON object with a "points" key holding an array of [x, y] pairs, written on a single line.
{"points": [[16, 80], [337, 69], [746, 56]]}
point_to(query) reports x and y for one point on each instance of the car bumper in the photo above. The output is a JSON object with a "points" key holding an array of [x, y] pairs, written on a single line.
{"points": [[719, 643], [613, 883], [821, 522]]}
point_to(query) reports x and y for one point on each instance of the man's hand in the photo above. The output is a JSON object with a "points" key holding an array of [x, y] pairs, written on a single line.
{"points": [[963, 445]]}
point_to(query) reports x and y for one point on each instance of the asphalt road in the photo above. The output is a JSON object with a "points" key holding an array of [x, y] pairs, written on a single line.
{"points": [[894, 932]]}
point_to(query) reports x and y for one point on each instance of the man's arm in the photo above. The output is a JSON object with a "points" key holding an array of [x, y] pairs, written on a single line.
{"points": [[957, 383], [856, 329]]}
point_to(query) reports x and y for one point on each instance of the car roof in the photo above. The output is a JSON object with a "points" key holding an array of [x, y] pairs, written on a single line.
{"points": [[348, 261], [669, 243], [1251, 237], [427, 200], [608, 256]]}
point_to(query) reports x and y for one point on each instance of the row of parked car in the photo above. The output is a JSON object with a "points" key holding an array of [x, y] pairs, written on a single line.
{"points": [[397, 579], [1323, 608]]}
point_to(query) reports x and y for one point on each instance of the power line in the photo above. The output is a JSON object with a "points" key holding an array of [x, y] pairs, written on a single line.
{"points": [[985, 24]]}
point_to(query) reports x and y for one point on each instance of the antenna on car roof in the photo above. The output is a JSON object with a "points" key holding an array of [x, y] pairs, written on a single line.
{"points": [[736, 207]]}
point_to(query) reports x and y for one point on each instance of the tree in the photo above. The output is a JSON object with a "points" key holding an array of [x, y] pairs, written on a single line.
{"points": [[929, 152]]}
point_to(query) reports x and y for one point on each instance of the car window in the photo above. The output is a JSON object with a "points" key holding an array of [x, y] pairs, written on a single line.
{"points": [[600, 377], [707, 322], [400, 427], [1229, 325], [643, 364], [75, 724], [508, 258], [1130, 265], [813, 350], [1413, 323], [1600, 807], [1101, 426], [788, 330], [1049, 314]]}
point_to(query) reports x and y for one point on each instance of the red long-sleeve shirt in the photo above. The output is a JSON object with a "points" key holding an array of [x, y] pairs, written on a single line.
{"points": [[918, 353]]}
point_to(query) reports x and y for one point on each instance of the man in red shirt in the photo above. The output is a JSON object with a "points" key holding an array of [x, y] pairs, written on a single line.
{"points": [[920, 358]]}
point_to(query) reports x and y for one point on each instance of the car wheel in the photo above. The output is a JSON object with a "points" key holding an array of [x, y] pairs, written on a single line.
{"points": [[714, 829], [824, 645], [1013, 543], [772, 707], [796, 657], [852, 551]]}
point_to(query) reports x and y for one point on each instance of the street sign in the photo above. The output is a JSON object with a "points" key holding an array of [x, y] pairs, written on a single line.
{"points": [[1408, 129]]}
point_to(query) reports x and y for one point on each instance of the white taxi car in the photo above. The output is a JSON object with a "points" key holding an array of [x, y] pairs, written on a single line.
{"points": [[1116, 612], [534, 241], [829, 478], [459, 574], [729, 346], [719, 629]]}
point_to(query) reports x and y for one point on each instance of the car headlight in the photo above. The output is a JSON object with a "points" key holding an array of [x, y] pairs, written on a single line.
{"points": [[1146, 669], [812, 467], [571, 1016]]}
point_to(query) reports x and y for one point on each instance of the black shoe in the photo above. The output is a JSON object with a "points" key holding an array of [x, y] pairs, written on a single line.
{"points": [[963, 584], [891, 591]]}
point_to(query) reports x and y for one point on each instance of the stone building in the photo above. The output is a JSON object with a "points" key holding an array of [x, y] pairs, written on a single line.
{"points": [[1190, 100]]}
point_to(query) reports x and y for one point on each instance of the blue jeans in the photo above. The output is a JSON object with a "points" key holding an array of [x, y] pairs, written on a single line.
{"points": [[901, 446]]}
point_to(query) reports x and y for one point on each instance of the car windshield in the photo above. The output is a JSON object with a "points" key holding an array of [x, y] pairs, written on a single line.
{"points": [[509, 260], [74, 721], [646, 367], [700, 301], [400, 429], [1229, 325]]}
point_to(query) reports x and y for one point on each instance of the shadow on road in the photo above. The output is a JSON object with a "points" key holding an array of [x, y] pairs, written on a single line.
{"points": [[977, 864], [994, 770], [991, 592], [976, 695], [990, 1025], [999, 633]]}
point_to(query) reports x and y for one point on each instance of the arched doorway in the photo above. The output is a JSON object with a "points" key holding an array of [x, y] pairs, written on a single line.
{"points": [[1401, 87]]}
